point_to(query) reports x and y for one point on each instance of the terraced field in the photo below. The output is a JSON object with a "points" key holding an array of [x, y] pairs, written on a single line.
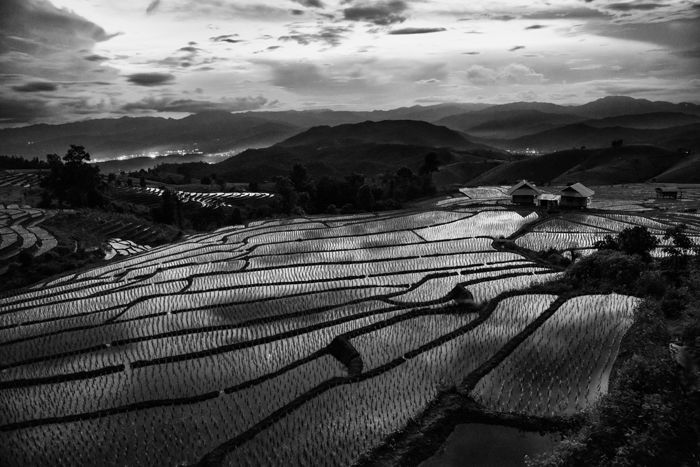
{"points": [[298, 342], [20, 230], [150, 196]]}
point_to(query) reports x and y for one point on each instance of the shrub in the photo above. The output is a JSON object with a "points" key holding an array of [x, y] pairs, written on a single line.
{"points": [[606, 270]]}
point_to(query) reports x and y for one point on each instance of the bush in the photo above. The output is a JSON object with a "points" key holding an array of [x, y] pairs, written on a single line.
{"points": [[651, 283], [673, 304], [607, 271]]}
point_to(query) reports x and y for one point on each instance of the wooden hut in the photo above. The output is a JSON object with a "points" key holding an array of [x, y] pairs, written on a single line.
{"points": [[524, 193], [668, 192], [576, 195], [548, 200]]}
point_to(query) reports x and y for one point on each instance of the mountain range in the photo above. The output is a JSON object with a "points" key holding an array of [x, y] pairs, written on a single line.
{"points": [[470, 138]]}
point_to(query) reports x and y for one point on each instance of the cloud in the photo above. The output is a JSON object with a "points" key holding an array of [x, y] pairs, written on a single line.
{"points": [[37, 26], [380, 13], [634, 6], [330, 35], [150, 79], [471, 53], [535, 26], [416, 31], [517, 47], [310, 3], [36, 86], [514, 73], [230, 38], [166, 104], [16, 111], [153, 6], [297, 75], [96, 58], [580, 13]]}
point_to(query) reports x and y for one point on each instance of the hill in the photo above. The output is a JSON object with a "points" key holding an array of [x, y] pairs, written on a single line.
{"points": [[628, 164], [408, 132], [497, 122], [370, 148], [648, 121], [583, 134]]}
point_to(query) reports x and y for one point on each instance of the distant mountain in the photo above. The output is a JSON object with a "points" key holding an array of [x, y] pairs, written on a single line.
{"points": [[646, 121], [627, 164], [109, 138], [370, 148], [583, 134], [543, 125], [613, 106], [496, 122], [311, 118]]}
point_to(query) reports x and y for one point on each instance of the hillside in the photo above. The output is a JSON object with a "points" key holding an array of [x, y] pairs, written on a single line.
{"points": [[370, 148], [583, 134], [496, 122], [628, 164], [649, 121]]}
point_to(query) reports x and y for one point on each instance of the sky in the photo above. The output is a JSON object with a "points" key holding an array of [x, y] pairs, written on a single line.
{"points": [[68, 60]]}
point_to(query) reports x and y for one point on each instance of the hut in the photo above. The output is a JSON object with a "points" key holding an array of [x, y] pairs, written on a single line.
{"points": [[668, 192], [524, 193], [548, 200], [576, 195]]}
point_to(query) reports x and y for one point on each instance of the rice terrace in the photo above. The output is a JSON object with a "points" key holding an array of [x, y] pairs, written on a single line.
{"points": [[349, 233], [331, 333]]}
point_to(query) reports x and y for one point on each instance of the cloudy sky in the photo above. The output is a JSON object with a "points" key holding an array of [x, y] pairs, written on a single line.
{"points": [[66, 60]]}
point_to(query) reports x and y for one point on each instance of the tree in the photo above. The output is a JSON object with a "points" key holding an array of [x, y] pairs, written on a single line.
{"points": [[72, 180], [430, 164], [365, 198], [142, 182], [682, 244], [617, 143], [632, 241]]}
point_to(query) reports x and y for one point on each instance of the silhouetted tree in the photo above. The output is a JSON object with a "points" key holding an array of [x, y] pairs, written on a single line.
{"points": [[73, 180]]}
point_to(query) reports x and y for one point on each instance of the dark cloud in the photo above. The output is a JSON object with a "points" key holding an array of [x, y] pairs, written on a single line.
{"points": [[536, 26], [150, 79], [634, 6], [517, 47], [379, 13], [471, 53], [310, 3], [36, 86], [581, 13], [330, 35], [153, 6], [189, 48], [18, 111], [297, 12], [165, 104], [37, 27], [230, 38], [416, 31], [96, 58]]}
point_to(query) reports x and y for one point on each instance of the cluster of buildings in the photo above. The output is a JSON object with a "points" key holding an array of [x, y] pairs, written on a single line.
{"points": [[576, 195]]}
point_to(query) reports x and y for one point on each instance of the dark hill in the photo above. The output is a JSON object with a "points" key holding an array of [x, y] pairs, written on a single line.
{"points": [[408, 132], [370, 148]]}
